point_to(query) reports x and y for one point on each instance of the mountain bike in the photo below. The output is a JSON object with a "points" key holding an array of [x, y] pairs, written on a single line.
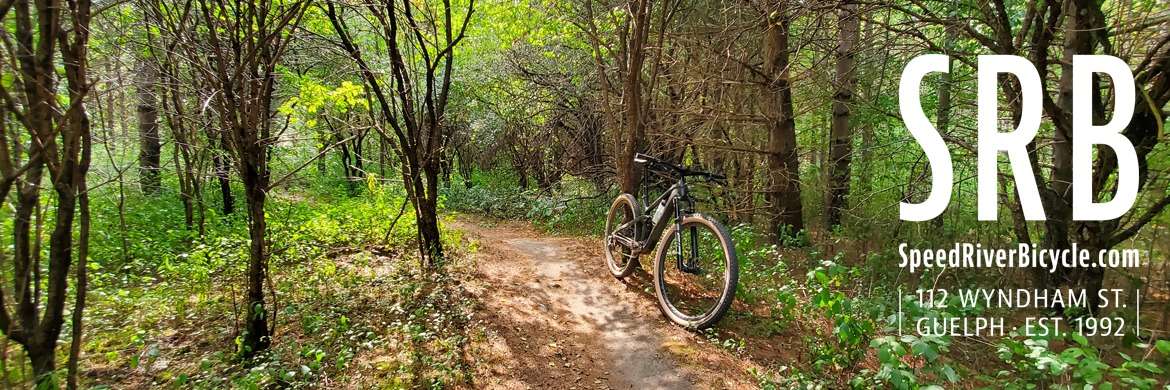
{"points": [[695, 268]]}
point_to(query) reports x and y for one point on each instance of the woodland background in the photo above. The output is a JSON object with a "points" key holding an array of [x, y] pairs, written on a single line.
{"points": [[193, 190]]}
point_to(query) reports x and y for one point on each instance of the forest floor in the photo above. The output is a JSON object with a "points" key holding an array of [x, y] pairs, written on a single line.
{"points": [[551, 316]]}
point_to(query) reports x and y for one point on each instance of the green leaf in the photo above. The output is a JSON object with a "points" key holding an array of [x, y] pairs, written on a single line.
{"points": [[949, 373], [1163, 347], [1080, 339], [925, 349]]}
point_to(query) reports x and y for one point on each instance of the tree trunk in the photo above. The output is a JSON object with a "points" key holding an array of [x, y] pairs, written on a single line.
{"points": [[428, 230], [186, 192], [322, 148], [82, 281], [150, 146], [347, 170], [185, 149], [634, 135], [225, 184], [1077, 40], [426, 199], [840, 134], [44, 363], [783, 193], [466, 169], [256, 336], [944, 101]]}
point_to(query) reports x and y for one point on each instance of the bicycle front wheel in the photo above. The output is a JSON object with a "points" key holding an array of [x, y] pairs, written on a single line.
{"points": [[695, 281]]}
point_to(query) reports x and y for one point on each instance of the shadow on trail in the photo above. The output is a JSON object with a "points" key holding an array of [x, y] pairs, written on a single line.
{"points": [[768, 341]]}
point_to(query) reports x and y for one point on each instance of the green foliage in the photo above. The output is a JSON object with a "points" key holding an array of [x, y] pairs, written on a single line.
{"points": [[789, 238], [735, 345], [572, 207], [894, 354], [313, 99], [765, 278], [787, 378], [1034, 363], [910, 361], [852, 318]]}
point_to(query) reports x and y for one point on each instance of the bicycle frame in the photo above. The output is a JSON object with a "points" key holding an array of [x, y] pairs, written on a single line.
{"points": [[648, 229]]}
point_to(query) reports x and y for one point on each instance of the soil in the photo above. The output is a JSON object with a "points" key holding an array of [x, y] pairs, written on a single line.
{"points": [[550, 315]]}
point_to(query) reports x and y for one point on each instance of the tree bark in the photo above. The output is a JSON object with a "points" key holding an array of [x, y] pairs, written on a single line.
{"points": [[256, 335], [150, 146], [428, 223], [783, 192], [1077, 40], [840, 133]]}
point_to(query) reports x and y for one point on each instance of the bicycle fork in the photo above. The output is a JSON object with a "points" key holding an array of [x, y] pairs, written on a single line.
{"points": [[689, 264]]}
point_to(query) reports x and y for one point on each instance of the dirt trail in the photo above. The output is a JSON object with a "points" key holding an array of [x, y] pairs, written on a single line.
{"points": [[552, 317]]}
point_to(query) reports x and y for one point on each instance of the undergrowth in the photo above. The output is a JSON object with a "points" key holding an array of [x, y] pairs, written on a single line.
{"points": [[350, 306], [575, 206]]}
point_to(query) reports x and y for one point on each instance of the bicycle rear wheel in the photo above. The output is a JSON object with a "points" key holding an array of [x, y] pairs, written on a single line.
{"points": [[697, 294], [620, 236]]}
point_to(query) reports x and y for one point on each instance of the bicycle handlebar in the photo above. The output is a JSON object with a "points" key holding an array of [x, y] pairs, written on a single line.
{"points": [[652, 162]]}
